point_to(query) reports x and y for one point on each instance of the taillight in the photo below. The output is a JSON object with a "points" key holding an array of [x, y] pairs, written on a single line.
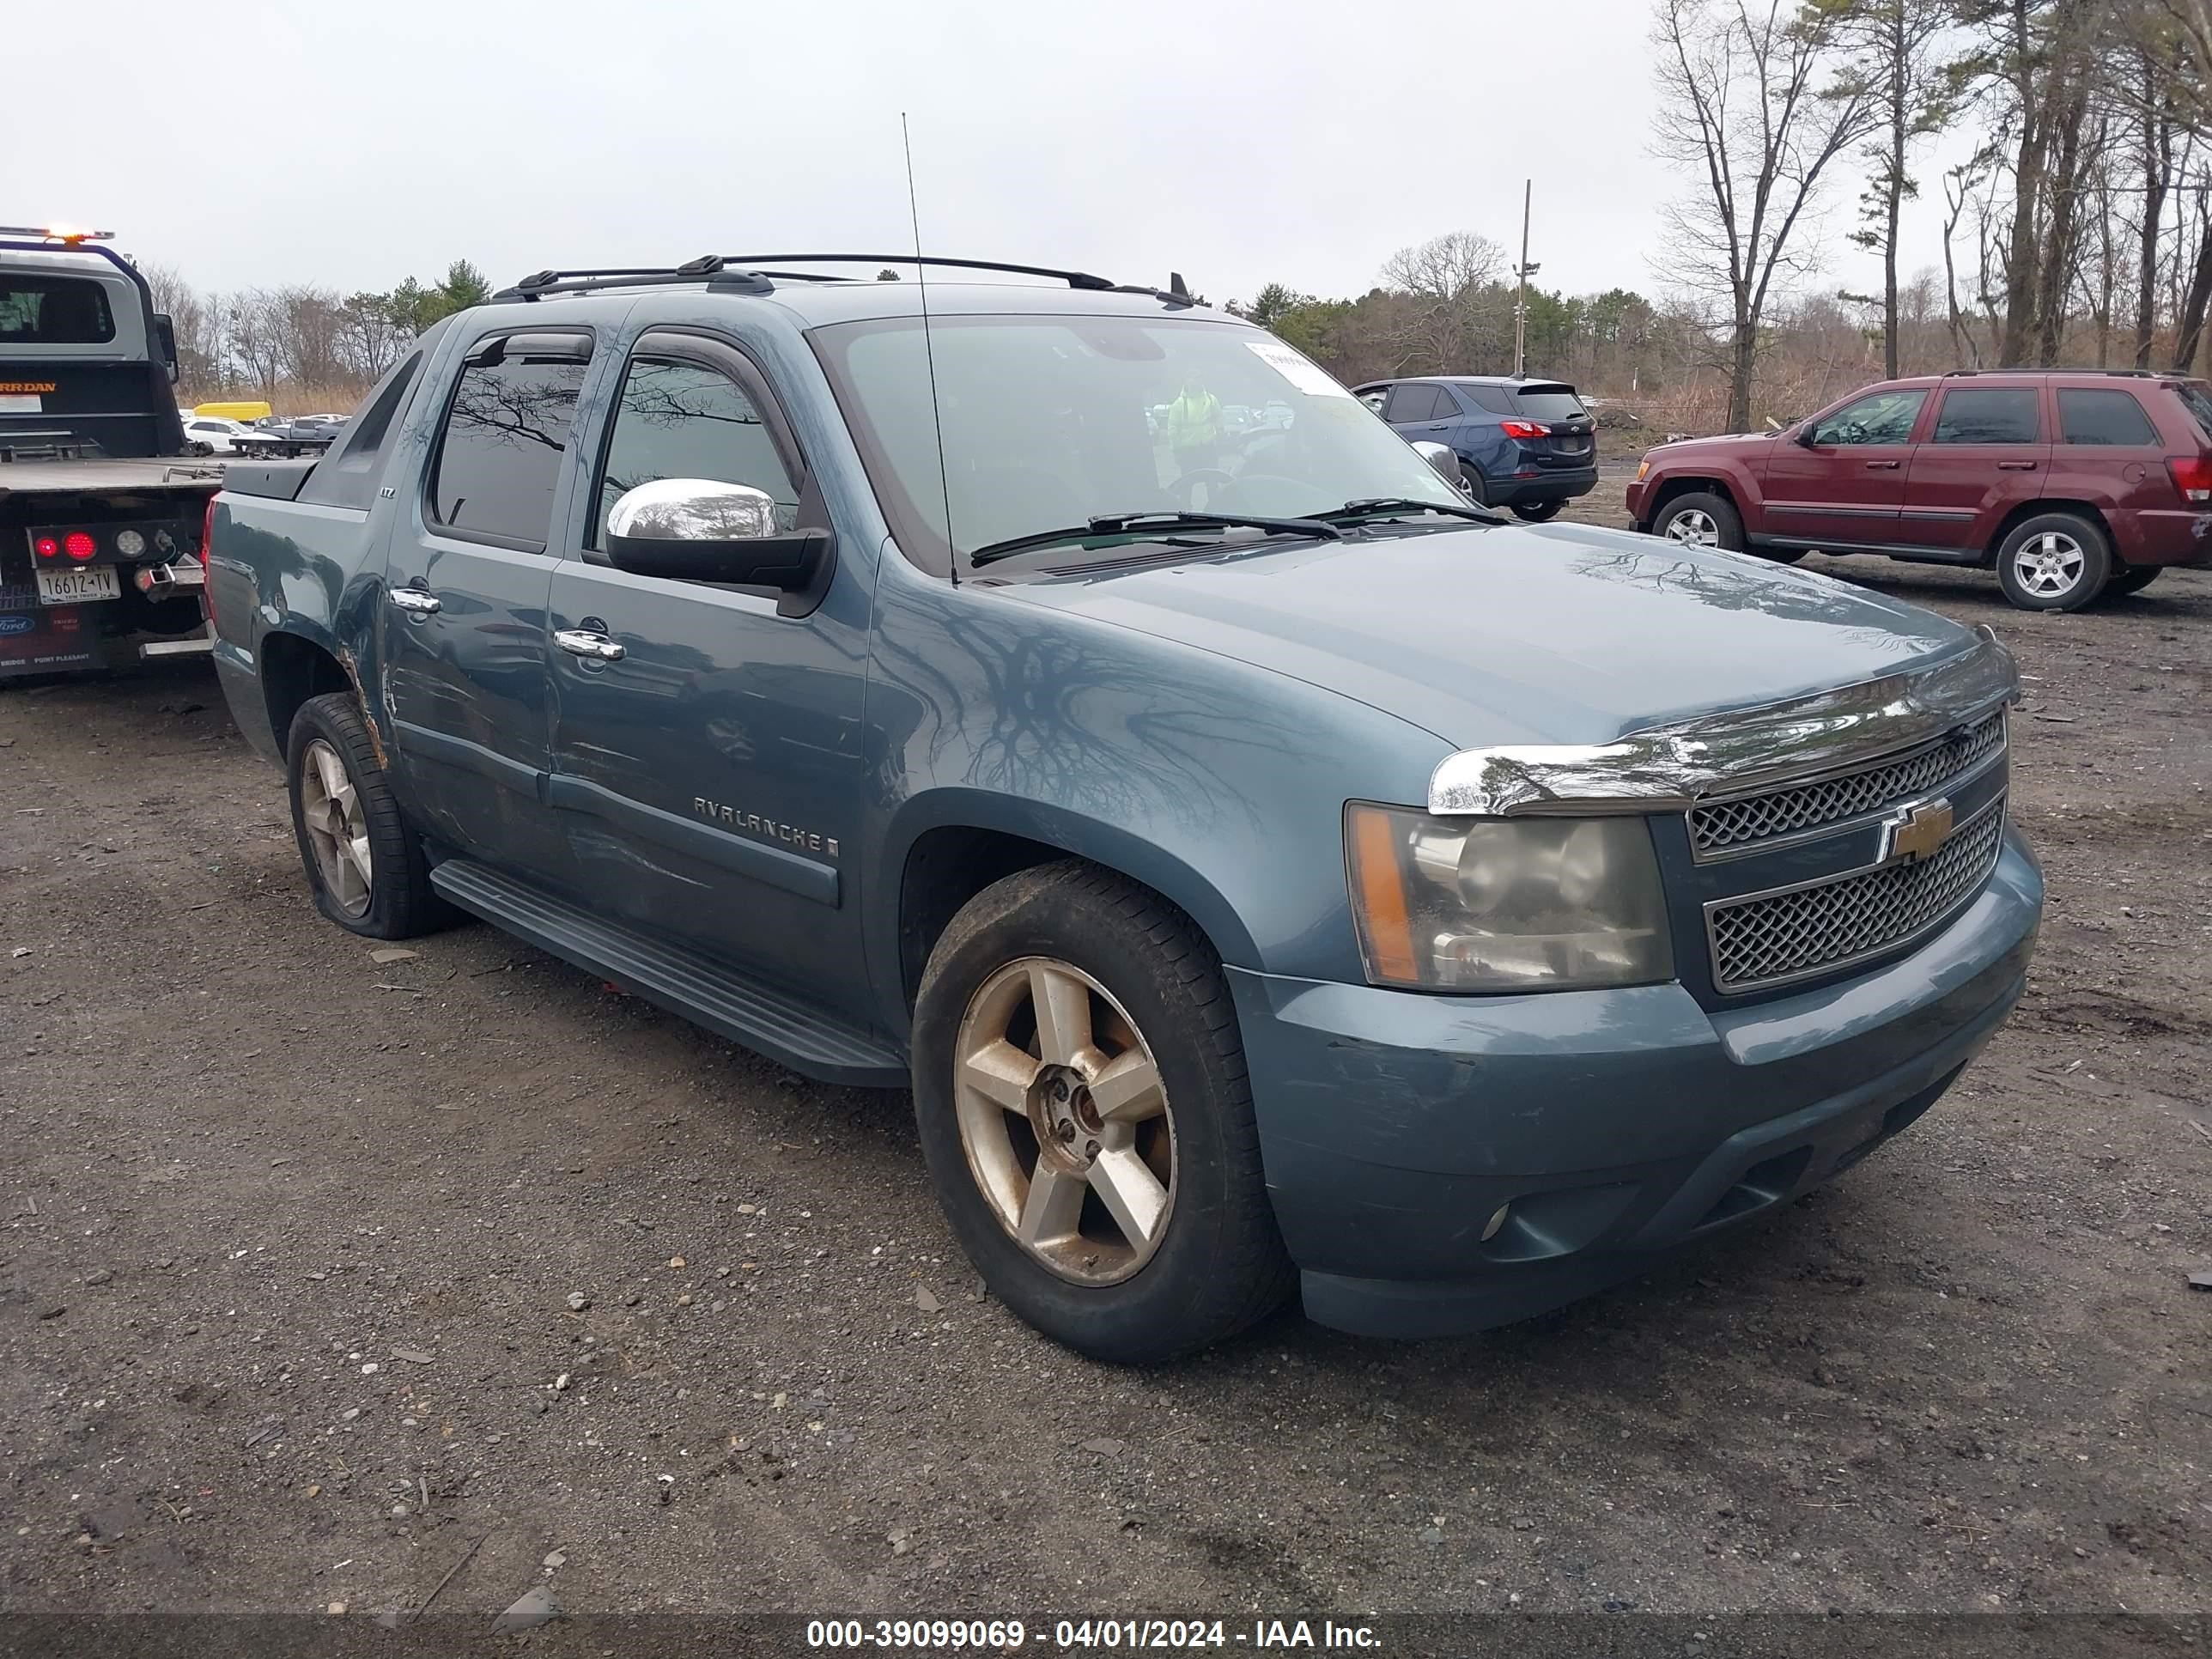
{"points": [[47, 548], [2192, 477], [79, 546], [207, 570], [1525, 429]]}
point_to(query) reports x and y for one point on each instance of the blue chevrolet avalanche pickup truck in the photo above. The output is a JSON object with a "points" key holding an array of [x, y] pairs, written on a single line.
{"points": [[1267, 869]]}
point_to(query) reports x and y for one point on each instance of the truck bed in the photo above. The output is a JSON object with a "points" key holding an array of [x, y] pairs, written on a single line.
{"points": [[73, 478]]}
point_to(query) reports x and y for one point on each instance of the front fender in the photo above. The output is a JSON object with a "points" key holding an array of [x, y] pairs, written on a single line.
{"points": [[1219, 784]]}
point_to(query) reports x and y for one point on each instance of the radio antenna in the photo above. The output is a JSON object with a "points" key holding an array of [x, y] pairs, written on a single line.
{"points": [[929, 353]]}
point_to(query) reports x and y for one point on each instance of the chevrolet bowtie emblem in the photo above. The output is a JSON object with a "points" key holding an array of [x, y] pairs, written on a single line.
{"points": [[1916, 831]]}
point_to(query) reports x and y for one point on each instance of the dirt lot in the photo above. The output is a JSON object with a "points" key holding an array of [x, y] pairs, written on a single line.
{"points": [[295, 1242]]}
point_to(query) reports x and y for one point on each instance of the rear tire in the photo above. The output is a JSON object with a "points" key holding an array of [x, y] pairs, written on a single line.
{"points": [[2053, 562], [1537, 512], [365, 866], [1470, 480], [1149, 1229], [1701, 519], [2132, 579]]}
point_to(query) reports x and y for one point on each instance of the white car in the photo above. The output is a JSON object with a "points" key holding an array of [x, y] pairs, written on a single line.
{"points": [[211, 435]]}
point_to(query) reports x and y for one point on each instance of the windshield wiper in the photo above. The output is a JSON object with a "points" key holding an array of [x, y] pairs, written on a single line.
{"points": [[1122, 523], [1372, 506]]}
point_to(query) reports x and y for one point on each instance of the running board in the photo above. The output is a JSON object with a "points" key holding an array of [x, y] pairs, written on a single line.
{"points": [[705, 992]]}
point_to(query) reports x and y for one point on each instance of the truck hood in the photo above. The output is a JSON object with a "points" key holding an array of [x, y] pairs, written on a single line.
{"points": [[1741, 444], [1537, 633]]}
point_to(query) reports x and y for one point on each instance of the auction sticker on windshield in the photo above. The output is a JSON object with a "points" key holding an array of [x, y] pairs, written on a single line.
{"points": [[77, 586], [1295, 369]]}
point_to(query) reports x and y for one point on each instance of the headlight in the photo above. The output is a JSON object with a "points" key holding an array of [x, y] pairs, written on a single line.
{"points": [[1506, 904], [1643, 470]]}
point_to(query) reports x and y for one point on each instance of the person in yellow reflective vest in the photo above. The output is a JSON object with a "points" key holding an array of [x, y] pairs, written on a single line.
{"points": [[1194, 427]]}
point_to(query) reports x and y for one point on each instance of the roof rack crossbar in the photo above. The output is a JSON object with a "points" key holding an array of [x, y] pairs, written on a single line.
{"points": [[1073, 278]]}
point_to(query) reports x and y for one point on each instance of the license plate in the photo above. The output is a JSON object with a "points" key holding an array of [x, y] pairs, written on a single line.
{"points": [[78, 586]]}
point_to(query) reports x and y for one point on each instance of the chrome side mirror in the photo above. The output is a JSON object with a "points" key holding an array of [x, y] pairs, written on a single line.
{"points": [[702, 530], [1440, 457], [692, 510]]}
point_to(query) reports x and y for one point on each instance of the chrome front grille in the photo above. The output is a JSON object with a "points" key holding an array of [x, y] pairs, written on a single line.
{"points": [[1725, 828], [1767, 938]]}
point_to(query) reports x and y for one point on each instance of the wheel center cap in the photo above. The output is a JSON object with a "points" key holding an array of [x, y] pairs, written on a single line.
{"points": [[1067, 1120]]}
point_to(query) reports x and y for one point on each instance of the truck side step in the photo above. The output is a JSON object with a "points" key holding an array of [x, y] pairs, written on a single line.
{"points": [[707, 993]]}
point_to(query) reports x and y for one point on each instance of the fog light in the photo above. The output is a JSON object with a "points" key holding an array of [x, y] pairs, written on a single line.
{"points": [[1492, 1227]]}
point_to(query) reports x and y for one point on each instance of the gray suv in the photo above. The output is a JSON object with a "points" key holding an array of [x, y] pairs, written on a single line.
{"points": [[1270, 872]]}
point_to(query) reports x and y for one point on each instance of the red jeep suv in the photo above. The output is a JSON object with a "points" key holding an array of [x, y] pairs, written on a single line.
{"points": [[2072, 482]]}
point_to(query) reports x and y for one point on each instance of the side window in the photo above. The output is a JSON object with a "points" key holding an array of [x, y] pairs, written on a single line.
{"points": [[679, 420], [1987, 415], [1374, 397], [499, 456], [1882, 418], [2103, 417], [1411, 402], [1495, 398]]}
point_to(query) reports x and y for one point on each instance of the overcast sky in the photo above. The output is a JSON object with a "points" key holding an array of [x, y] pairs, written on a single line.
{"points": [[349, 145]]}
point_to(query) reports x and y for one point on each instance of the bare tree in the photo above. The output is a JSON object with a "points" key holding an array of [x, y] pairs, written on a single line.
{"points": [[1449, 282], [1743, 101]]}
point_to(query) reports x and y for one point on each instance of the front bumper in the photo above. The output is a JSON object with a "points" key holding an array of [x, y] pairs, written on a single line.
{"points": [[1610, 1126]]}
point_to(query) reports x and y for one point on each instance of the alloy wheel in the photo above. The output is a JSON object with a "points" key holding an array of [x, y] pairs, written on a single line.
{"points": [[1064, 1120], [2049, 565], [330, 806], [1694, 527]]}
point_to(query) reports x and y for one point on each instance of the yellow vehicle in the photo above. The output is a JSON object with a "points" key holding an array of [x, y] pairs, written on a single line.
{"points": [[248, 411]]}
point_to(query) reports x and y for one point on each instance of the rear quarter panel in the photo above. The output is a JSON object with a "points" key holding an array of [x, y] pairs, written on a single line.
{"points": [[289, 568]]}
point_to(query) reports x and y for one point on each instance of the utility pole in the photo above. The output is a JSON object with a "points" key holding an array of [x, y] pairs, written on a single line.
{"points": [[1524, 270]]}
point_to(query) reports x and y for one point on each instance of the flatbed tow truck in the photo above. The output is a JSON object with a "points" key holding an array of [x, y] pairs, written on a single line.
{"points": [[101, 513]]}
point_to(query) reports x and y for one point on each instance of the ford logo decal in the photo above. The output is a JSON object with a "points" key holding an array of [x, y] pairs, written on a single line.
{"points": [[17, 624]]}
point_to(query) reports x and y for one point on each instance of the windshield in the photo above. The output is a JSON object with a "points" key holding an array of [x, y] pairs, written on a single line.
{"points": [[1049, 422]]}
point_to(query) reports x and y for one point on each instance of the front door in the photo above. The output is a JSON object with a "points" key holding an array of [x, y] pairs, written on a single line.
{"points": [[1987, 453], [706, 778], [463, 624], [1842, 480]]}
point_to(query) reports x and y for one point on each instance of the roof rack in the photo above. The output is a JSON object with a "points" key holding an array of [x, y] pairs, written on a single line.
{"points": [[2117, 373], [747, 273]]}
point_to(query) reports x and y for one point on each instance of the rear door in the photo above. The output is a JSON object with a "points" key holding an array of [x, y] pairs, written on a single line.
{"points": [[1988, 451], [707, 780], [463, 613], [1841, 480]]}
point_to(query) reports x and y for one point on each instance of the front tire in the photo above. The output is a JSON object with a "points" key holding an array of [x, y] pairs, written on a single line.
{"points": [[1080, 1093], [2053, 562], [365, 866], [1701, 519]]}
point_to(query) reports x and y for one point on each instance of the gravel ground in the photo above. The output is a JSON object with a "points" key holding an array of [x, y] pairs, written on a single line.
{"points": [[321, 1271]]}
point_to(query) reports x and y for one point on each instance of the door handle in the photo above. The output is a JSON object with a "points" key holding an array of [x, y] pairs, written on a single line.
{"points": [[579, 643], [2016, 466], [415, 602], [1883, 466]]}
